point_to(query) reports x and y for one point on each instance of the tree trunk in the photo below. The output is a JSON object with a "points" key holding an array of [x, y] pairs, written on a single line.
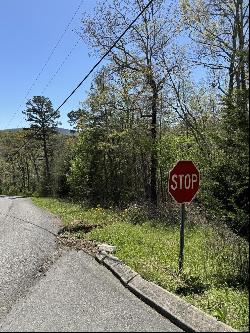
{"points": [[154, 157], [242, 54], [36, 169], [46, 158], [28, 175]]}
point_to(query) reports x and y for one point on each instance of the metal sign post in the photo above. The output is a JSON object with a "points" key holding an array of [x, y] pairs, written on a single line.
{"points": [[182, 226]]}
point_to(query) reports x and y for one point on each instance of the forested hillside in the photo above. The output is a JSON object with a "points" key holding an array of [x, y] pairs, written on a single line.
{"points": [[174, 87]]}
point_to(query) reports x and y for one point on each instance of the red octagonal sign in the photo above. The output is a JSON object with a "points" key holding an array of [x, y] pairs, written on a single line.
{"points": [[184, 180]]}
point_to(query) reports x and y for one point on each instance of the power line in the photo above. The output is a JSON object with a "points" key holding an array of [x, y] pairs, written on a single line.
{"points": [[86, 76], [47, 61], [60, 67]]}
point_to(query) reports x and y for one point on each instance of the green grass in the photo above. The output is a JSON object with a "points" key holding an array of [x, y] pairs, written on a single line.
{"points": [[215, 262], [68, 211]]}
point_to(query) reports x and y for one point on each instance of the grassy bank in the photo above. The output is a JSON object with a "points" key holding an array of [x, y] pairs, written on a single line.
{"points": [[216, 261]]}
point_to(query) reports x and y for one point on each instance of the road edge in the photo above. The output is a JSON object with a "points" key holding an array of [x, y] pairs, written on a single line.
{"points": [[183, 314]]}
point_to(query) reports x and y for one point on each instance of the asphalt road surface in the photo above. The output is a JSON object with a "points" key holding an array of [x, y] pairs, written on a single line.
{"points": [[46, 289]]}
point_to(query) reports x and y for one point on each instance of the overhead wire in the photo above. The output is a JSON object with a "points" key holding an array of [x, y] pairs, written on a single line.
{"points": [[84, 79], [60, 66], [47, 61]]}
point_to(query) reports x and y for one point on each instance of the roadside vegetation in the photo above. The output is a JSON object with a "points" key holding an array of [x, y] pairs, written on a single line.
{"points": [[175, 87], [215, 275]]}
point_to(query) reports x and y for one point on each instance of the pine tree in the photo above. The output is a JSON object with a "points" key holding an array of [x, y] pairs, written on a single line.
{"points": [[43, 120]]}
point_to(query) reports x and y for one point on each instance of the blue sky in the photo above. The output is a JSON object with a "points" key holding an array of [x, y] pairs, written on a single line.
{"points": [[29, 30]]}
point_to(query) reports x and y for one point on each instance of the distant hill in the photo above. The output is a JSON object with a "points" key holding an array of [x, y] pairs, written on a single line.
{"points": [[64, 131]]}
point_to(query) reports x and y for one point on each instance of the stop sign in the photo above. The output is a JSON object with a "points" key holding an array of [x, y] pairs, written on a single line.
{"points": [[183, 181]]}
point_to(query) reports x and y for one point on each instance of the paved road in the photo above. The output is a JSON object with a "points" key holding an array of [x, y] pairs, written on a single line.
{"points": [[75, 294], [24, 247]]}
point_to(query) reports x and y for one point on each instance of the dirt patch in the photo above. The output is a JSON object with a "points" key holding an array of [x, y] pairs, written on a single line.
{"points": [[70, 241], [78, 225], [68, 238]]}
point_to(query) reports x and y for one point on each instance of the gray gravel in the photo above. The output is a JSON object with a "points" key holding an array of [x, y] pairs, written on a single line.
{"points": [[75, 294]]}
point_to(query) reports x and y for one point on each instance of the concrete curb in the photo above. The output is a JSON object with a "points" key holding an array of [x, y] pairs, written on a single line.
{"points": [[186, 316]]}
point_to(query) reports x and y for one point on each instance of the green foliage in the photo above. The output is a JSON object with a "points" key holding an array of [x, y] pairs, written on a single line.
{"points": [[69, 211], [235, 143], [224, 173], [143, 113], [41, 115], [136, 214], [207, 277], [25, 173], [110, 161], [60, 165], [42, 118], [215, 276]]}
